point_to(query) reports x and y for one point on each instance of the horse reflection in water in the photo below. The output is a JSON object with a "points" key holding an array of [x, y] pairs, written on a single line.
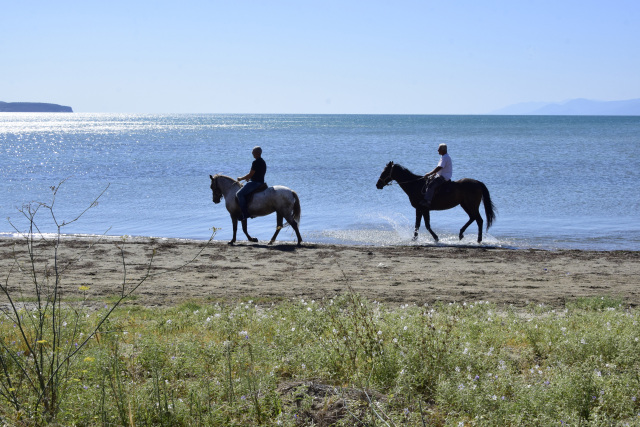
{"points": [[281, 200], [468, 193]]}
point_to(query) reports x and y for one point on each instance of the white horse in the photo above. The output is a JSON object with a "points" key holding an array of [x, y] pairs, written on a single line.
{"points": [[279, 199]]}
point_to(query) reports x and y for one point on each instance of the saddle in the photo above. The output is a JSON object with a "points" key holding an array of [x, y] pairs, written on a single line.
{"points": [[259, 189], [444, 188]]}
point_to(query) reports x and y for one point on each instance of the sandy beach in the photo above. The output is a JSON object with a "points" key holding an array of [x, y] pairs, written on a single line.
{"points": [[393, 275]]}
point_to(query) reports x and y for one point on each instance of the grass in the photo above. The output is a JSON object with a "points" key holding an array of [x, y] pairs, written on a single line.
{"points": [[113, 299], [350, 361]]}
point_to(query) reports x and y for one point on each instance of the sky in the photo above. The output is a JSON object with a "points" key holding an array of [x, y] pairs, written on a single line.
{"points": [[317, 57]]}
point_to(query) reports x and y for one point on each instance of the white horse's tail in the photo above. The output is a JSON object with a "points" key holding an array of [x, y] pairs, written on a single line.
{"points": [[296, 207]]}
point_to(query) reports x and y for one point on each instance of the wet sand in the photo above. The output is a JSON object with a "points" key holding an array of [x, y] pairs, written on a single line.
{"points": [[394, 275]]}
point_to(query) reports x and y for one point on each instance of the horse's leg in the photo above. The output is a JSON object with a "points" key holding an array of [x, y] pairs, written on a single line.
{"points": [[427, 223], [292, 222], [278, 227], [234, 221], [464, 227], [418, 218], [474, 215], [246, 233]]}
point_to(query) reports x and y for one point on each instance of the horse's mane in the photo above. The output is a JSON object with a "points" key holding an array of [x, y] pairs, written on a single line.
{"points": [[219, 175], [233, 180], [407, 172]]}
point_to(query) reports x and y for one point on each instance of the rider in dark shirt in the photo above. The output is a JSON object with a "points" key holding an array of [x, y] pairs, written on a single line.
{"points": [[255, 178]]}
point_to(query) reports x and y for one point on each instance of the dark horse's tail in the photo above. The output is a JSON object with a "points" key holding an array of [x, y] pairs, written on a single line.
{"points": [[489, 208], [296, 207]]}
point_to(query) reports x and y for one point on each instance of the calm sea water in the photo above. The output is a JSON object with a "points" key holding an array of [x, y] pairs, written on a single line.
{"points": [[558, 182]]}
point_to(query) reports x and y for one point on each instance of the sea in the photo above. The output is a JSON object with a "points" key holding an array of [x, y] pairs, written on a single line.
{"points": [[558, 182]]}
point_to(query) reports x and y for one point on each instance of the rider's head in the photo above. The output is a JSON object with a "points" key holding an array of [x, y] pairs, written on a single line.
{"points": [[257, 152], [442, 149]]}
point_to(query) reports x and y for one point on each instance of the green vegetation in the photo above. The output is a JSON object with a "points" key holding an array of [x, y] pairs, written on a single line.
{"points": [[346, 361], [341, 361]]}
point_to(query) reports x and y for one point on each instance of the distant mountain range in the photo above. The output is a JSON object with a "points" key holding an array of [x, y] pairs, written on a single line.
{"points": [[574, 107], [33, 107]]}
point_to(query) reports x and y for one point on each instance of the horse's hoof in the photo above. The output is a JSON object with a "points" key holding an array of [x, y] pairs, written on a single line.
{"points": [[254, 240], [270, 242], [231, 242], [461, 236], [415, 238]]}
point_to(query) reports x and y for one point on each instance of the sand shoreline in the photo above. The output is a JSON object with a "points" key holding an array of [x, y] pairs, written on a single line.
{"points": [[390, 274]]}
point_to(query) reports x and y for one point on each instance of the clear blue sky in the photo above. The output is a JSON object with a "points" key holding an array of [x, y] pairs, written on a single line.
{"points": [[234, 56]]}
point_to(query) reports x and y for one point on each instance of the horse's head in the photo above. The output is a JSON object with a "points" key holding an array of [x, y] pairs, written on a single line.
{"points": [[385, 176], [217, 193]]}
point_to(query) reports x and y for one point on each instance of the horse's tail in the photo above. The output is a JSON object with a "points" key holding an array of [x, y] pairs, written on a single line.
{"points": [[489, 208], [297, 211]]}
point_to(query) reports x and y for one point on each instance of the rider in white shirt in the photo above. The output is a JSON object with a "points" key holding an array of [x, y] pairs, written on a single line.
{"points": [[443, 173]]}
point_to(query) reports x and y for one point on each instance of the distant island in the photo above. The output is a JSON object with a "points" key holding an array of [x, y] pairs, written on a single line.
{"points": [[574, 107], [33, 107]]}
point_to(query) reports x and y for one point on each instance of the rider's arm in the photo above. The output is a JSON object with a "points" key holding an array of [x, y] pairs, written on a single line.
{"points": [[433, 172], [247, 176]]}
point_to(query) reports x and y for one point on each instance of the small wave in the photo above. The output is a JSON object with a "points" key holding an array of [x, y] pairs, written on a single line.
{"points": [[373, 237], [397, 230], [81, 236]]}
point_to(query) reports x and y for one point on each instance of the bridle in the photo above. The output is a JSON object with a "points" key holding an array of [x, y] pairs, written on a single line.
{"points": [[215, 189], [387, 180], [390, 178]]}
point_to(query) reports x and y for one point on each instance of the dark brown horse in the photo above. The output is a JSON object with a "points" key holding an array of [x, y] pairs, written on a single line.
{"points": [[468, 193]]}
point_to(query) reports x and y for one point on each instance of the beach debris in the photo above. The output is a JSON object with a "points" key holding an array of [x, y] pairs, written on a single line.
{"points": [[324, 405]]}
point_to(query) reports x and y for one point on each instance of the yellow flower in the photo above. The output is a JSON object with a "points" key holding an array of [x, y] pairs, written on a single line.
{"points": [[12, 389], [89, 359], [41, 342], [84, 288]]}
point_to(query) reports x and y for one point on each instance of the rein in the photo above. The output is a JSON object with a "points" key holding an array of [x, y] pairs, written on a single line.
{"points": [[217, 185], [400, 182], [403, 182]]}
